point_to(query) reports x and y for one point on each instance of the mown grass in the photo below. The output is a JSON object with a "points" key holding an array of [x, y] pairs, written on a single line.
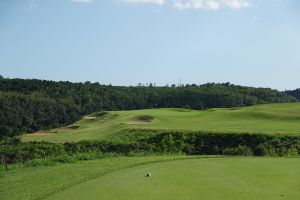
{"points": [[172, 177], [214, 179], [29, 183], [268, 119]]}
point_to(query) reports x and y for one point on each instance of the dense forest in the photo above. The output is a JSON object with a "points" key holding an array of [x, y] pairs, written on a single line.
{"points": [[31, 105], [294, 93]]}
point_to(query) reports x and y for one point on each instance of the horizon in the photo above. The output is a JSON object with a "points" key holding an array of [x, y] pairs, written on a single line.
{"points": [[253, 43], [153, 84]]}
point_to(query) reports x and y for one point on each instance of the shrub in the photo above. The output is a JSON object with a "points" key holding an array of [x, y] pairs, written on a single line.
{"points": [[239, 150], [292, 151], [191, 143], [265, 150]]}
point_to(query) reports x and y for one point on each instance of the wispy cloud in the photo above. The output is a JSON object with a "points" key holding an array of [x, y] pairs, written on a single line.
{"points": [[158, 2], [210, 4], [196, 4], [82, 1], [237, 4]]}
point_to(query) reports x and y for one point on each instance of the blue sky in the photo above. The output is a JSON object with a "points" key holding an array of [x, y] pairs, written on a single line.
{"points": [[125, 42]]}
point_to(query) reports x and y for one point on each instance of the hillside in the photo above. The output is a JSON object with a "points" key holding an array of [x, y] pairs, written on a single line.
{"points": [[269, 119], [31, 105]]}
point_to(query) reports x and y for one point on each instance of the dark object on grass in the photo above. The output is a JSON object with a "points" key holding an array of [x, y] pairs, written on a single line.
{"points": [[148, 174], [144, 118]]}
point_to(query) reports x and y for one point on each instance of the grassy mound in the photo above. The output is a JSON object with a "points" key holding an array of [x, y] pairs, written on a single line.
{"points": [[267, 119], [100, 114]]}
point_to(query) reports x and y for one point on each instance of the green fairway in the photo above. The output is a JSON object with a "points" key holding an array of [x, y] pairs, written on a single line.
{"points": [[268, 118], [31, 183], [212, 178], [172, 177]]}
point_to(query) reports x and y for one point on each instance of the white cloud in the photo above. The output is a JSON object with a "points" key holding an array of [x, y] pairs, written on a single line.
{"points": [[237, 4], [210, 4], [82, 1], [158, 2]]}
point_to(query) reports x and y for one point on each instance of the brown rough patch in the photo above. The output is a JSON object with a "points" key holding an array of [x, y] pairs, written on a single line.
{"points": [[137, 122], [89, 117], [49, 133], [42, 134], [142, 119], [69, 128]]}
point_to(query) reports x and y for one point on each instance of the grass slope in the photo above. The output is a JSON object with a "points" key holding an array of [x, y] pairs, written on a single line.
{"points": [[32, 183], [219, 179], [222, 178], [268, 118]]}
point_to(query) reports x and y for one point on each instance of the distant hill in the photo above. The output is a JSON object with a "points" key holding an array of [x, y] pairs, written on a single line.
{"points": [[31, 105], [271, 119]]}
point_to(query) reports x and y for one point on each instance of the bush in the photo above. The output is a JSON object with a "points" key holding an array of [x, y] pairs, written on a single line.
{"points": [[265, 150], [143, 142], [292, 151], [239, 150]]}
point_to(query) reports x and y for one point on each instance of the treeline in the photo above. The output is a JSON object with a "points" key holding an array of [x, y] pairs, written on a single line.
{"points": [[31, 105], [149, 142], [21, 113], [294, 93]]}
